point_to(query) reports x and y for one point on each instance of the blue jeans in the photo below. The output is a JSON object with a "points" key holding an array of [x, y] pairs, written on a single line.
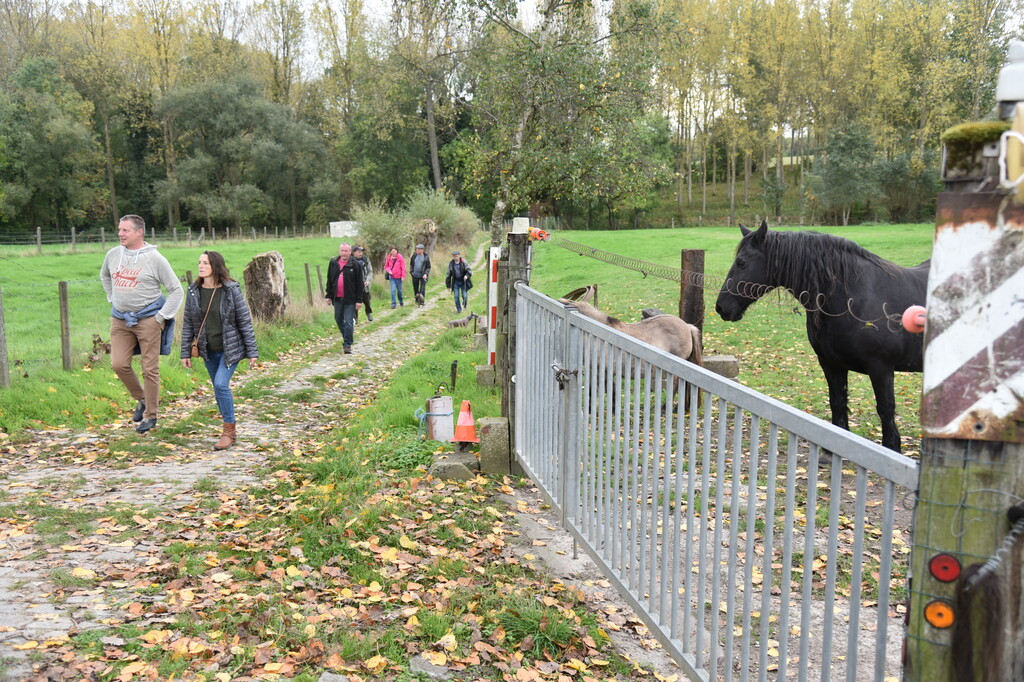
{"points": [[220, 375], [396, 287], [345, 318], [457, 288]]}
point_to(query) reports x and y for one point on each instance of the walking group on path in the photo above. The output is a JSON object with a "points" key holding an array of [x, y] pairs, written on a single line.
{"points": [[217, 324]]}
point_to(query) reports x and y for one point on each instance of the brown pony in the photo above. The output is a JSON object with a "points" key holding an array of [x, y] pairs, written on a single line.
{"points": [[667, 332]]}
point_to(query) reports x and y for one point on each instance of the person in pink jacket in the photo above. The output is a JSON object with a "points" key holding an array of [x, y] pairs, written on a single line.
{"points": [[394, 271]]}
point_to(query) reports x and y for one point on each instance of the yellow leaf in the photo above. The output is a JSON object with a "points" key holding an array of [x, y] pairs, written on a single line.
{"points": [[273, 667], [223, 677], [26, 645], [376, 664], [80, 572], [405, 542], [220, 577], [448, 642], [389, 555], [156, 636], [293, 572], [435, 657]]}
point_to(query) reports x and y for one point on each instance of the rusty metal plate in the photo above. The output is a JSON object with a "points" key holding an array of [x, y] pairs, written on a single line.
{"points": [[974, 341]]}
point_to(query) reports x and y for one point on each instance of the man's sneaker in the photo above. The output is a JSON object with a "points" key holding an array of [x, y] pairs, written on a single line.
{"points": [[145, 425], [140, 410], [348, 350], [369, 318]]}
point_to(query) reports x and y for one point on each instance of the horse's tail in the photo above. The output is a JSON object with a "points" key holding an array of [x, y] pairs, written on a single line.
{"points": [[697, 348], [976, 586]]}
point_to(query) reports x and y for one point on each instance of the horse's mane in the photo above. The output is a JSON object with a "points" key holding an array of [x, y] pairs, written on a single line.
{"points": [[816, 263]]}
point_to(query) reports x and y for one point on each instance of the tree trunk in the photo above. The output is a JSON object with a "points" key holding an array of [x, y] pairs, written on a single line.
{"points": [[109, 154], [266, 289], [435, 162]]}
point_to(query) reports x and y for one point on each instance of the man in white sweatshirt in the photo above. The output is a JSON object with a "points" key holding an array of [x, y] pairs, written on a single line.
{"points": [[132, 275]]}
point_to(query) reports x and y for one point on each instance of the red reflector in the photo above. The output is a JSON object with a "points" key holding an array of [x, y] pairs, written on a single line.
{"points": [[944, 567]]}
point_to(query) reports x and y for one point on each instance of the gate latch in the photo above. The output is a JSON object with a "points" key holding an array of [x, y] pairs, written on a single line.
{"points": [[562, 375]]}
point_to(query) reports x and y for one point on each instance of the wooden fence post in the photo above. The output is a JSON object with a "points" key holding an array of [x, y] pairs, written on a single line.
{"points": [[39, 240], [190, 237], [309, 286], [319, 279], [972, 456], [174, 232], [65, 325], [691, 288], [5, 367], [74, 240]]}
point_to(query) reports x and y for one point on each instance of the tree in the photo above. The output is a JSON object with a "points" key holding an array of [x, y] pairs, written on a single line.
{"points": [[847, 177], [243, 157], [51, 167], [553, 105]]}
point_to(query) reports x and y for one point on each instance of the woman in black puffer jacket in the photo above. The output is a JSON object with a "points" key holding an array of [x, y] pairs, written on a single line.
{"points": [[217, 320]]}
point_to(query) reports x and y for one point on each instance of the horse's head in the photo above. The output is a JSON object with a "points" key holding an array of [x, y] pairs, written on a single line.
{"points": [[747, 280]]}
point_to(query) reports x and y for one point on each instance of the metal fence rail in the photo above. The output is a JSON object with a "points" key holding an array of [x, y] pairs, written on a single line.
{"points": [[756, 541]]}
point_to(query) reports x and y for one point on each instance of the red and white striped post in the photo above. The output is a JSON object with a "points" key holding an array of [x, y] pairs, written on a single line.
{"points": [[966, 615], [492, 312]]}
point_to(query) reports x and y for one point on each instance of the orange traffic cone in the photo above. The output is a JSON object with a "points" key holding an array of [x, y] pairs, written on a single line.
{"points": [[465, 429]]}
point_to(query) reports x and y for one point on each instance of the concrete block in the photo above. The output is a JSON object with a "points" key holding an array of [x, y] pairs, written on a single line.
{"points": [[724, 365], [485, 375], [451, 471], [479, 341], [494, 445]]}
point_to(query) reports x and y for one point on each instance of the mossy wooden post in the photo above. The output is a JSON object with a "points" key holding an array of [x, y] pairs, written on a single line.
{"points": [[39, 240], [74, 240], [5, 367], [65, 325], [319, 278], [972, 416], [309, 286]]}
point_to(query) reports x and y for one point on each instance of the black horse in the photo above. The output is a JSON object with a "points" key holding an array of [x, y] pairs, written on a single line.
{"points": [[850, 296]]}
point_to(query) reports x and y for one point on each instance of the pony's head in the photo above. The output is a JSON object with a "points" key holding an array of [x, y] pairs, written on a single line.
{"points": [[747, 280], [588, 310]]}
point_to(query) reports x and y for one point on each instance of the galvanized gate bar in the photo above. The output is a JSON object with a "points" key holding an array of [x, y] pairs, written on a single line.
{"points": [[692, 493]]}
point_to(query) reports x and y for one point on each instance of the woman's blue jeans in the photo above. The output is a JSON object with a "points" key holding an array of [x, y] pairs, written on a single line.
{"points": [[220, 375], [396, 287]]}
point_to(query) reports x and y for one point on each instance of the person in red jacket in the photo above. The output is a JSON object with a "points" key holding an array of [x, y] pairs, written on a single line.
{"points": [[394, 272]]}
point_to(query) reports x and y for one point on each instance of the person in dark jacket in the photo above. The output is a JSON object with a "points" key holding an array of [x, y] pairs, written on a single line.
{"points": [[345, 290], [419, 269], [217, 319], [359, 254], [459, 280]]}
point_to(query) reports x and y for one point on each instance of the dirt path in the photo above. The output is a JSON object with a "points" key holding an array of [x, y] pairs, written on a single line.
{"points": [[45, 586]]}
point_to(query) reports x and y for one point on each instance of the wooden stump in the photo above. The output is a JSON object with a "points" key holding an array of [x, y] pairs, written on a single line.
{"points": [[266, 289]]}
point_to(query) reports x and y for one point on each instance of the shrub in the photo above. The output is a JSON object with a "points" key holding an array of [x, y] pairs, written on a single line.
{"points": [[379, 230]]}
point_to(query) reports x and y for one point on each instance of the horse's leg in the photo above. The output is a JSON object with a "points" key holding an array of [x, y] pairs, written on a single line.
{"points": [[838, 394], [885, 404]]}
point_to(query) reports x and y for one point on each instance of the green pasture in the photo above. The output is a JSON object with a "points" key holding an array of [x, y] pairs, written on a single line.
{"points": [[770, 341], [43, 394]]}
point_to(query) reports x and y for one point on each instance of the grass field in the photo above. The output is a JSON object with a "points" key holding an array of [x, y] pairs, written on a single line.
{"points": [[42, 394], [771, 340]]}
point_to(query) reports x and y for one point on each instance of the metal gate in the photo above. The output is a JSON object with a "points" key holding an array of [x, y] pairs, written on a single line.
{"points": [[754, 540]]}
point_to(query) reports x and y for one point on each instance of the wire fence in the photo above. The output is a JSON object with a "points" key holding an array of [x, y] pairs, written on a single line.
{"points": [[178, 236], [812, 303]]}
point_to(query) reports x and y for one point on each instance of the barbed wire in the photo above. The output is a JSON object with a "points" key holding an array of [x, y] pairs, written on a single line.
{"points": [[812, 303]]}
